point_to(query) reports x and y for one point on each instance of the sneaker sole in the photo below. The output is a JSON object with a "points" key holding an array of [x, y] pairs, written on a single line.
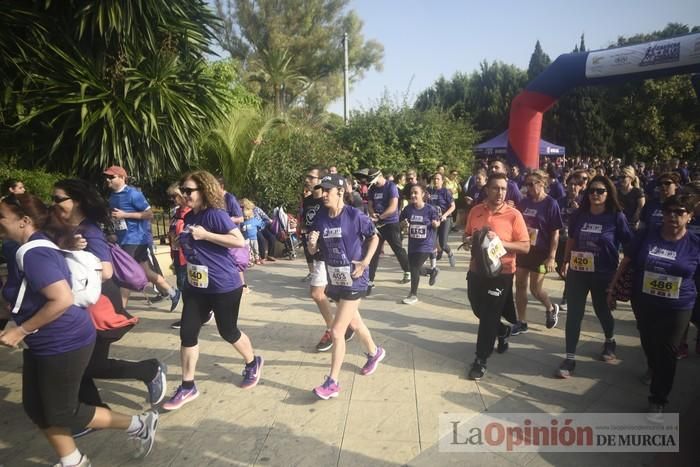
{"points": [[172, 407], [348, 339], [325, 398], [164, 382], [376, 364], [324, 349], [152, 438], [257, 380], [518, 333]]}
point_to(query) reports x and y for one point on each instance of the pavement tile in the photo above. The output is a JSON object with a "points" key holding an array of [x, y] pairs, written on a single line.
{"points": [[360, 452]]}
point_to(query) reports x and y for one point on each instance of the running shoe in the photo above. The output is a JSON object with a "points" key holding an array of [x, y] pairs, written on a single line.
{"points": [[406, 278], [84, 462], [370, 286], [373, 361], [566, 369], [251, 375], [682, 351], [326, 342], [270, 259], [349, 334], [176, 325], [307, 278], [552, 316], [655, 413], [608, 354], [410, 300], [433, 275], [158, 385], [519, 327], [477, 370], [646, 377], [503, 341], [175, 300], [328, 389], [181, 397], [452, 259], [143, 440]]}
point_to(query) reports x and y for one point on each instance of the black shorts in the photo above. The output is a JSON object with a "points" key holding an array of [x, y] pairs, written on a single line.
{"points": [[138, 252], [338, 295], [532, 261]]}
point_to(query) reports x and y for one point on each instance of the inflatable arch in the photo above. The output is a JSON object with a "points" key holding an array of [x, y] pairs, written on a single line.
{"points": [[667, 57]]}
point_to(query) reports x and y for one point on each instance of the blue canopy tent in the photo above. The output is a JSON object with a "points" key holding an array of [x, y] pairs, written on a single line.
{"points": [[498, 146]]}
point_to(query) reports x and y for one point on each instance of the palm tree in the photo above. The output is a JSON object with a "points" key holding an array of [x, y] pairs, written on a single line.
{"points": [[101, 82], [278, 77]]}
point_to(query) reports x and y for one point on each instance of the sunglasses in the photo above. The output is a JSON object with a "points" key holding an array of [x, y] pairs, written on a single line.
{"points": [[110, 177], [187, 191], [59, 199], [597, 191], [678, 211]]}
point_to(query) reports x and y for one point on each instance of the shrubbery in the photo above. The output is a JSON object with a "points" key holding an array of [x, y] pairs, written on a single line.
{"points": [[37, 182]]}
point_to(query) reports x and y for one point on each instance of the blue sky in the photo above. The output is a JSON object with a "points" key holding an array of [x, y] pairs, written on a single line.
{"points": [[426, 39]]}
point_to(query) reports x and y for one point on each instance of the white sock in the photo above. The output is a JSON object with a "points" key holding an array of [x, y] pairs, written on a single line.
{"points": [[171, 292], [135, 425], [433, 261], [72, 459]]}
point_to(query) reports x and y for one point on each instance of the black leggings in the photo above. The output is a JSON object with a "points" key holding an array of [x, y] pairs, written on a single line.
{"points": [[392, 234], [103, 367], [491, 299], [443, 234], [415, 261], [660, 332], [195, 312], [266, 242], [50, 387]]}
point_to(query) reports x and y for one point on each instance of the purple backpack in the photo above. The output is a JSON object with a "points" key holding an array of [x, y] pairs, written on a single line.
{"points": [[128, 273], [241, 257]]}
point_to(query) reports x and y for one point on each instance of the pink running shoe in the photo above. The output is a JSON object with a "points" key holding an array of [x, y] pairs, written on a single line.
{"points": [[328, 389], [373, 361], [181, 397]]}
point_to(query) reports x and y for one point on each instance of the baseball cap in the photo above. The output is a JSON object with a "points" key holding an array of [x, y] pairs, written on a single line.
{"points": [[332, 181], [115, 170], [372, 175]]}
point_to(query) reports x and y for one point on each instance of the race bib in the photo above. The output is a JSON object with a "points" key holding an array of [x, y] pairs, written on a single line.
{"points": [[198, 276], [119, 224], [495, 250], [533, 235], [340, 275], [582, 261], [661, 285], [418, 231]]}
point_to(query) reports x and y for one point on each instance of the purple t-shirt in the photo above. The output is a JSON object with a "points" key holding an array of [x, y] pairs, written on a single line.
{"points": [[542, 219], [341, 239], [652, 214], [694, 225], [567, 207], [233, 207], [664, 269], [381, 196], [421, 233], [210, 267], [72, 330], [600, 234], [441, 198], [556, 190], [96, 241]]}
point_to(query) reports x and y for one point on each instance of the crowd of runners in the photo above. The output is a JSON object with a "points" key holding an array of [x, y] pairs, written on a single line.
{"points": [[612, 231]]}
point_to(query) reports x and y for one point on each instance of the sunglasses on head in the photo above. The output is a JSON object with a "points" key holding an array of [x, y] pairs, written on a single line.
{"points": [[188, 191], [59, 199], [677, 211], [597, 191]]}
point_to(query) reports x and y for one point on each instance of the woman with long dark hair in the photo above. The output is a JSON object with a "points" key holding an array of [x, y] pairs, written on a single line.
{"points": [[591, 257], [80, 210]]}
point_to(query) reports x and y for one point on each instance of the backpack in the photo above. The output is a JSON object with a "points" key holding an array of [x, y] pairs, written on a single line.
{"points": [[128, 273], [487, 253], [85, 270]]}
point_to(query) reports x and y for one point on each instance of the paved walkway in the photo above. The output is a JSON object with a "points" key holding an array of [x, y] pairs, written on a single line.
{"points": [[388, 418]]}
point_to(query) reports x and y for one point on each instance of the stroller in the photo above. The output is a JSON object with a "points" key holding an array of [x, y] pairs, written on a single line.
{"points": [[284, 228]]}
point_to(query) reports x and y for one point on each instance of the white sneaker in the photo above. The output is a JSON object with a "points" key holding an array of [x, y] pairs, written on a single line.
{"points": [[84, 462], [410, 300], [146, 436]]}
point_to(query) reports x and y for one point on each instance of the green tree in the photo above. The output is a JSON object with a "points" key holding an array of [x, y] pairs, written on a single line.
{"points": [[300, 37], [538, 62], [96, 82]]}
